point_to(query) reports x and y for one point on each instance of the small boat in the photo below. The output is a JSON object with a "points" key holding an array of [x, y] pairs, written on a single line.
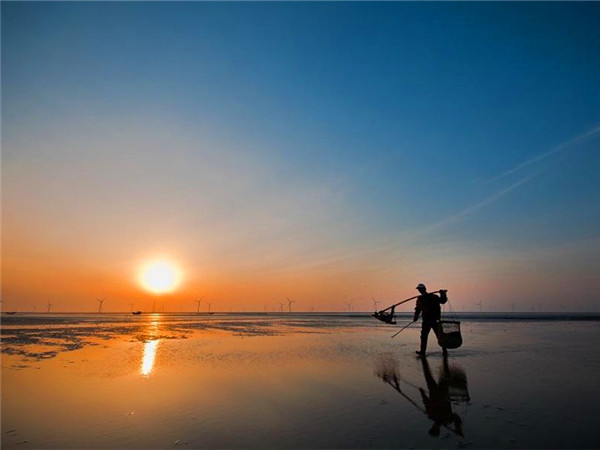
{"points": [[10, 312], [136, 313]]}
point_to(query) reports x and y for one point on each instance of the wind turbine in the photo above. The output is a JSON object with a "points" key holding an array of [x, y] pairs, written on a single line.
{"points": [[375, 303], [290, 304], [198, 302], [209, 305], [49, 305], [100, 301], [513, 307], [479, 304], [131, 307], [349, 306], [280, 307]]}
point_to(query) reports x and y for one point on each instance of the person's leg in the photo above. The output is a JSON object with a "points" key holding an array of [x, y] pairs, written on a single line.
{"points": [[425, 327]]}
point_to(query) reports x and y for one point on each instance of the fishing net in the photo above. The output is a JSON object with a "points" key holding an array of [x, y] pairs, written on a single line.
{"points": [[449, 334], [385, 316]]}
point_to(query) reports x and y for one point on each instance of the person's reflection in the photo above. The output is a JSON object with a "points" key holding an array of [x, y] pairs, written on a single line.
{"points": [[451, 387], [438, 405]]}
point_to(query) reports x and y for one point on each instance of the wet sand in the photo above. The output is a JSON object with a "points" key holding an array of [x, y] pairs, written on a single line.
{"points": [[294, 381]]}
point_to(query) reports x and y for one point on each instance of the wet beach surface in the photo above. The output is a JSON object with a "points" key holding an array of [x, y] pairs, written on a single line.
{"points": [[295, 381]]}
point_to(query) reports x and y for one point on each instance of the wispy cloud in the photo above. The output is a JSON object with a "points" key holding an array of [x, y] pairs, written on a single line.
{"points": [[542, 156], [409, 238], [531, 162], [374, 249], [495, 196]]}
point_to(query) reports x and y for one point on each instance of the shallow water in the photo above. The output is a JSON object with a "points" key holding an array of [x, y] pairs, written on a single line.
{"points": [[294, 381]]}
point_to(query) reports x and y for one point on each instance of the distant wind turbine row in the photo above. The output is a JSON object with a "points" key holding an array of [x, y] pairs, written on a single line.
{"points": [[349, 306]]}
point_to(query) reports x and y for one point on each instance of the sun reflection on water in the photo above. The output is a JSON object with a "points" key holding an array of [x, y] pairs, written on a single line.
{"points": [[150, 347], [149, 356]]}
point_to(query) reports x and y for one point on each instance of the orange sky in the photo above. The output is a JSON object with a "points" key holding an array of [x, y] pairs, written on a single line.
{"points": [[73, 275]]}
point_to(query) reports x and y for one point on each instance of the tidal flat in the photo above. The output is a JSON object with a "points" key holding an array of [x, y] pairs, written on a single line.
{"points": [[117, 381]]}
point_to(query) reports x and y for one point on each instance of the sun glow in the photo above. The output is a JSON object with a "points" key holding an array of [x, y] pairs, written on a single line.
{"points": [[160, 277]]}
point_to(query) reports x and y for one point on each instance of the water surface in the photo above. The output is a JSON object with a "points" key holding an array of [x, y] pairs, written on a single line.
{"points": [[295, 381]]}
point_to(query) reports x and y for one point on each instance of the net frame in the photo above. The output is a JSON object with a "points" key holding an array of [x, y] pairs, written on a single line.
{"points": [[449, 326]]}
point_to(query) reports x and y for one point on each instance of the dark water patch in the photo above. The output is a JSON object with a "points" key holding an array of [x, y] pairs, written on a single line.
{"points": [[26, 341], [145, 337], [30, 354]]}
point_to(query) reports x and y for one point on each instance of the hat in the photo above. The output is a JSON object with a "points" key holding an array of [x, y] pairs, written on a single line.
{"points": [[420, 286]]}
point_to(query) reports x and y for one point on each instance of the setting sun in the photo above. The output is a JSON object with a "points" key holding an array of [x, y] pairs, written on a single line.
{"points": [[160, 277]]}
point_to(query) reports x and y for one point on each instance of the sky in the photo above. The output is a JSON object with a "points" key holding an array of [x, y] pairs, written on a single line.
{"points": [[327, 152]]}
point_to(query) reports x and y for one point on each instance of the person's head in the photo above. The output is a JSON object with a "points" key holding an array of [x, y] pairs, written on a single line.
{"points": [[421, 288]]}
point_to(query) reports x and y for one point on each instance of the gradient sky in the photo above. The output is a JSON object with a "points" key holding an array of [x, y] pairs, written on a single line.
{"points": [[329, 152]]}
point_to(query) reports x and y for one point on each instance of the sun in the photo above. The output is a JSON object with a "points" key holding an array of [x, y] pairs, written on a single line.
{"points": [[160, 277]]}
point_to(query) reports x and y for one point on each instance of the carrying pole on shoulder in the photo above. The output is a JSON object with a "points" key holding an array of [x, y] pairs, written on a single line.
{"points": [[404, 301]]}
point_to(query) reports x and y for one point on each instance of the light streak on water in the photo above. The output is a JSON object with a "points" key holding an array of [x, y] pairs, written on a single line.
{"points": [[150, 348]]}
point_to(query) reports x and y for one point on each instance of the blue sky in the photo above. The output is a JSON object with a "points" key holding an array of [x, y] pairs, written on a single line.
{"points": [[388, 142]]}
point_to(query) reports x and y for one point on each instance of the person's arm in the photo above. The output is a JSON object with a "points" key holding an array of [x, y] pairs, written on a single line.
{"points": [[418, 309]]}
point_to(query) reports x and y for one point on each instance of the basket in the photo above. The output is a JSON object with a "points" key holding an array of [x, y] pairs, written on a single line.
{"points": [[449, 334]]}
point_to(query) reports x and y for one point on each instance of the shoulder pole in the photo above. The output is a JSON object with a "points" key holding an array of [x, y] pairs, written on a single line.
{"points": [[404, 301]]}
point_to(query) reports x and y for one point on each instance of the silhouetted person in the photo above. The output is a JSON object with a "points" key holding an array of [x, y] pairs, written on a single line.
{"points": [[429, 305], [437, 404]]}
